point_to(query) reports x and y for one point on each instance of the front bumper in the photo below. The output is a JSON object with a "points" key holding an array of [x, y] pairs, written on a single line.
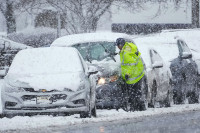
{"points": [[108, 95], [27, 102]]}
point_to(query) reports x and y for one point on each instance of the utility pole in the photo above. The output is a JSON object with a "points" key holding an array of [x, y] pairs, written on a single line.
{"points": [[59, 25], [195, 13]]}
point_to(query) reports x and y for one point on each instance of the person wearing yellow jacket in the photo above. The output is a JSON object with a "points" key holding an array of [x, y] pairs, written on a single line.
{"points": [[133, 73]]}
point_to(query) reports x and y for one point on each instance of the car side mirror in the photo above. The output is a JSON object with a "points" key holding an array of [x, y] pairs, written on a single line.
{"points": [[92, 70], [186, 55], [3, 72], [157, 64]]}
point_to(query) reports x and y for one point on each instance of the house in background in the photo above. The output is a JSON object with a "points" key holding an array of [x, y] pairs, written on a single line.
{"points": [[150, 20]]}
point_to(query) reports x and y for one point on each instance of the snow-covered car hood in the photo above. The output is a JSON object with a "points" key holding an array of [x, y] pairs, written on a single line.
{"points": [[71, 80], [107, 68]]}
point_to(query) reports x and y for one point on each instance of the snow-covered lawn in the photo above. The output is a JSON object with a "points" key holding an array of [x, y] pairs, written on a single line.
{"points": [[26, 122]]}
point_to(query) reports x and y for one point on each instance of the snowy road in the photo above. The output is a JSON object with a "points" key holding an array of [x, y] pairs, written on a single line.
{"points": [[54, 124], [186, 122]]}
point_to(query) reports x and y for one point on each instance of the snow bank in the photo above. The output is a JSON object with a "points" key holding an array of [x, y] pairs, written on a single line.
{"points": [[26, 122]]}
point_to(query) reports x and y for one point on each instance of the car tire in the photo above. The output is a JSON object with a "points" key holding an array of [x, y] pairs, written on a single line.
{"points": [[180, 98], [2, 115], [154, 103], [193, 98], [89, 113], [169, 100]]}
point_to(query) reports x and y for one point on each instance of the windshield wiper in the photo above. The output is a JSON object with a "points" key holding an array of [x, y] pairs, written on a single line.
{"points": [[194, 50], [109, 53], [88, 59]]}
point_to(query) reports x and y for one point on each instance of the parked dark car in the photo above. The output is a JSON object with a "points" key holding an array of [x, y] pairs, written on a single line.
{"points": [[184, 76]]}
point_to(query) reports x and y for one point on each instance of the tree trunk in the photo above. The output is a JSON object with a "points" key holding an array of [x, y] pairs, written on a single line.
{"points": [[195, 13], [10, 19]]}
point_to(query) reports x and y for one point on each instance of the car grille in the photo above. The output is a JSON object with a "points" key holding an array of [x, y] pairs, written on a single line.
{"points": [[53, 98], [32, 90]]}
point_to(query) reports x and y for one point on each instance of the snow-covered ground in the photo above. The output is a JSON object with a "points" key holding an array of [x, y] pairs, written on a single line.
{"points": [[39, 121]]}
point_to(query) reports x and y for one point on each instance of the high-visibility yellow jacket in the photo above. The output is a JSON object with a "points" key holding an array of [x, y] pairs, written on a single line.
{"points": [[131, 63]]}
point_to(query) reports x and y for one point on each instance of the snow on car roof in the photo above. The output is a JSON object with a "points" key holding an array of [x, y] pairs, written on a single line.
{"points": [[46, 61], [14, 45], [165, 46], [70, 40]]}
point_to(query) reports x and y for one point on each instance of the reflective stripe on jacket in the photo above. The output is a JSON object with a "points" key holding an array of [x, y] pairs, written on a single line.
{"points": [[131, 63]]}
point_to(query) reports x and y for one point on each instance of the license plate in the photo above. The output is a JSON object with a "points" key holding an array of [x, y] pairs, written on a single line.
{"points": [[43, 100]]}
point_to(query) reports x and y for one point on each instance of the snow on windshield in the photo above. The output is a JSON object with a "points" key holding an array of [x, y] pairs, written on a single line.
{"points": [[46, 61]]}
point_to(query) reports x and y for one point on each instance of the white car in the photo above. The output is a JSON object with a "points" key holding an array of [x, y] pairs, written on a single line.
{"points": [[158, 78], [49, 80]]}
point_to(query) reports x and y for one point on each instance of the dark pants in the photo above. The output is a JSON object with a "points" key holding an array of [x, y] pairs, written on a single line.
{"points": [[134, 94]]}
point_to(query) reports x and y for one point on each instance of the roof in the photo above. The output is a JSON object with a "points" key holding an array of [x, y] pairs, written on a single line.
{"points": [[70, 40], [13, 45]]}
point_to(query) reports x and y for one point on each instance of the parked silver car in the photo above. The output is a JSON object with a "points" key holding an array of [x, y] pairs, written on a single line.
{"points": [[49, 80], [158, 79]]}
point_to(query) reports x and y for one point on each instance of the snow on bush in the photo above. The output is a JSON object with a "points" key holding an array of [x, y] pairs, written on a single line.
{"points": [[35, 37]]}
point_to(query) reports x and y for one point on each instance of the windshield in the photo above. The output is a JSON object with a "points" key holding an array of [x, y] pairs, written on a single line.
{"points": [[96, 50], [46, 61]]}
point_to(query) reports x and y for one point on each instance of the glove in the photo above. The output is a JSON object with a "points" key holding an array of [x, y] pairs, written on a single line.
{"points": [[126, 77], [137, 53]]}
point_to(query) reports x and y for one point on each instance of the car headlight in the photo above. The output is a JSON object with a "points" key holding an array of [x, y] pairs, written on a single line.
{"points": [[13, 89], [106, 80]]}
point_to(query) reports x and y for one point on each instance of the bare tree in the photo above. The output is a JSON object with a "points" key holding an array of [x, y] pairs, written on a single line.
{"points": [[7, 9], [195, 13], [81, 15]]}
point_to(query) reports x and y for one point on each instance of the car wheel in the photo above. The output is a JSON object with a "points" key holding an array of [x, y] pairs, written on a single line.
{"points": [[1, 115], [89, 114], [169, 100], [180, 98], [154, 103], [94, 111], [193, 98]]}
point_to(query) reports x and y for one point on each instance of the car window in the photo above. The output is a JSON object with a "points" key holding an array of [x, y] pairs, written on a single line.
{"points": [[182, 46], [95, 50], [83, 49], [155, 56]]}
